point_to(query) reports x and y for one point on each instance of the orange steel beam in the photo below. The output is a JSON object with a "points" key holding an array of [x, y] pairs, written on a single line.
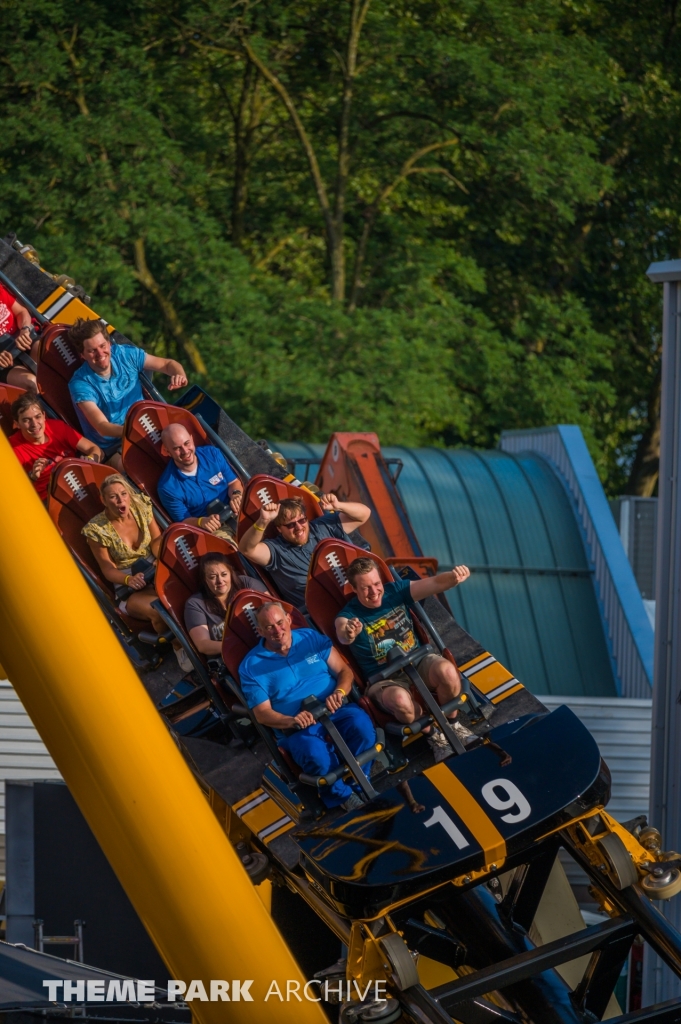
{"points": [[354, 468]]}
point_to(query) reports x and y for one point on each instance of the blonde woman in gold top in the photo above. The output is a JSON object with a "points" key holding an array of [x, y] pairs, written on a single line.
{"points": [[124, 532]]}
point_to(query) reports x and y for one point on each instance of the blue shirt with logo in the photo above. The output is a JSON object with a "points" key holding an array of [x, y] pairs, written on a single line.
{"points": [[184, 497], [114, 394], [285, 680]]}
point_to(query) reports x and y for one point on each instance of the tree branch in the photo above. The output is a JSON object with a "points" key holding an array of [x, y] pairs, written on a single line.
{"points": [[318, 181], [408, 168], [145, 277], [80, 95]]}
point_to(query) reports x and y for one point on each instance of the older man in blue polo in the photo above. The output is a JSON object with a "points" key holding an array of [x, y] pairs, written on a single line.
{"points": [[285, 667]]}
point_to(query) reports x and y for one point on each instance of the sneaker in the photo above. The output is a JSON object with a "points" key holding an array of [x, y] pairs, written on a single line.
{"points": [[183, 659], [439, 745], [460, 728], [352, 802]]}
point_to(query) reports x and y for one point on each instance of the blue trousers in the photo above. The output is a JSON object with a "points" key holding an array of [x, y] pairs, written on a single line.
{"points": [[309, 748]]}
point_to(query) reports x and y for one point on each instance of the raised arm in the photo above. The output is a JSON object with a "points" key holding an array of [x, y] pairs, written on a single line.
{"points": [[352, 513], [171, 368], [421, 589], [251, 544]]}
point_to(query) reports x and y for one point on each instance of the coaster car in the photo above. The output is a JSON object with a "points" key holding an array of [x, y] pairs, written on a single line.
{"points": [[328, 591], [143, 458], [8, 395], [486, 811], [58, 360], [264, 490], [73, 500], [177, 579]]}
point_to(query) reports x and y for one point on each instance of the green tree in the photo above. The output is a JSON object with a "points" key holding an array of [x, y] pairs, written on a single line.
{"points": [[418, 218]]}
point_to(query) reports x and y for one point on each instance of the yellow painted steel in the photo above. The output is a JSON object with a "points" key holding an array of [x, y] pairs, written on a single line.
{"points": [[126, 774]]}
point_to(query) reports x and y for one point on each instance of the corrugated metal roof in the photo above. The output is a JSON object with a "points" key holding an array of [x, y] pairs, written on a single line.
{"points": [[622, 730], [531, 599], [23, 755]]}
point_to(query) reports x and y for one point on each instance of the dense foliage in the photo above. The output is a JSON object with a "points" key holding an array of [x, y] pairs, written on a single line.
{"points": [[427, 218]]}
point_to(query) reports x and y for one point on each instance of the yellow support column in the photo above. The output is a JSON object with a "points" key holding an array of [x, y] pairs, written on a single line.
{"points": [[126, 774]]}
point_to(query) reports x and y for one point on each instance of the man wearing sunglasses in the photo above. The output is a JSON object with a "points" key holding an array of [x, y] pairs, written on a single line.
{"points": [[287, 556]]}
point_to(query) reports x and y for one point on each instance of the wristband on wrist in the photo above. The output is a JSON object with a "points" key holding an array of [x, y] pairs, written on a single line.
{"points": [[339, 689], [125, 581], [257, 526], [198, 521]]}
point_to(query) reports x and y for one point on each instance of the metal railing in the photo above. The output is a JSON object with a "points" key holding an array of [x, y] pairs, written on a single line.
{"points": [[627, 627]]}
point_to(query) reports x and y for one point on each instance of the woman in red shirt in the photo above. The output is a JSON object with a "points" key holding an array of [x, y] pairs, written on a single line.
{"points": [[13, 317], [40, 444]]}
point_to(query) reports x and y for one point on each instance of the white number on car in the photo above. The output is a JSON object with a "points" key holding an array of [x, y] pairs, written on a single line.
{"points": [[440, 817], [512, 798]]}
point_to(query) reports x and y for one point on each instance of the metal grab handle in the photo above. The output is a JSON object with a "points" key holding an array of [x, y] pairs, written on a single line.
{"points": [[8, 344], [320, 713], [338, 773], [396, 662], [435, 710], [225, 449]]}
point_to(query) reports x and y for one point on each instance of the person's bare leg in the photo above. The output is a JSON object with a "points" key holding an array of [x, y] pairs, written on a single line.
{"points": [[398, 702], [444, 681], [116, 462], [139, 606], [20, 377]]}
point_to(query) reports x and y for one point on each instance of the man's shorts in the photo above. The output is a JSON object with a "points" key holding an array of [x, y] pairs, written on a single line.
{"points": [[402, 679]]}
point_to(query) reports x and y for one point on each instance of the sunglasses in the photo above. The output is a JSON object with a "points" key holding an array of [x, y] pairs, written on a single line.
{"points": [[293, 522]]}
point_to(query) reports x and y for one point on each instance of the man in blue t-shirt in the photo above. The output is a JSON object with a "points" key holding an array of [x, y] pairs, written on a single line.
{"points": [[108, 382], [289, 665], [193, 478], [376, 619], [287, 556]]}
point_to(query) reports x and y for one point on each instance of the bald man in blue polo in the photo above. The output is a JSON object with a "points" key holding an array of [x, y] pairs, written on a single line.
{"points": [[193, 478]]}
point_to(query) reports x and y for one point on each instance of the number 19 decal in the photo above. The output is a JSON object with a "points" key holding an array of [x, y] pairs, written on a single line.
{"points": [[440, 817], [513, 799], [501, 795]]}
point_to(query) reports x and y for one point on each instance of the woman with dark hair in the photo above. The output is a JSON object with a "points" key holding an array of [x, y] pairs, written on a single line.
{"points": [[204, 613]]}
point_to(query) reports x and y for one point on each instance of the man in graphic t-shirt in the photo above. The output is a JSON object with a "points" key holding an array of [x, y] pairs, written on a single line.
{"points": [[40, 444], [377, 619]]}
